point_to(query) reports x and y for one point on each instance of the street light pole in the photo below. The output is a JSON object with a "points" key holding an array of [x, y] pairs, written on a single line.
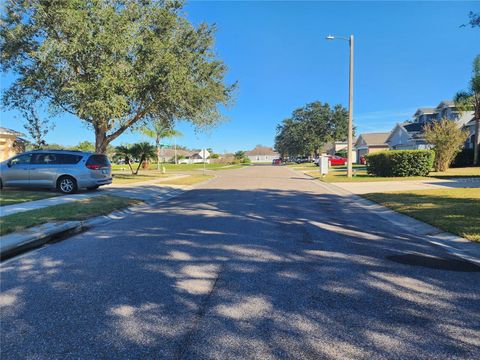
{"points": [[350, 104], [350, 113]]}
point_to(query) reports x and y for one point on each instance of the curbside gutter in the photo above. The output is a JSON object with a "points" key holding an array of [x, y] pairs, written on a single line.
{"points": [[16, 243]]}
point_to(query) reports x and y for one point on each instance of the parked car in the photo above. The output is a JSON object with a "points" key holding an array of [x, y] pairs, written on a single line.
{"points": [[276, 162], [66, 171], [301, 160], [336, 160]]}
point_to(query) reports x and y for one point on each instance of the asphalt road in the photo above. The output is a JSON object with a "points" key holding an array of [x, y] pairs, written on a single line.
{"points": [[260, 263]]}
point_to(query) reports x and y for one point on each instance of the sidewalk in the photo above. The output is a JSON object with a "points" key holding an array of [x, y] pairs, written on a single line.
{"points": [[390, 186], [148, 191]]}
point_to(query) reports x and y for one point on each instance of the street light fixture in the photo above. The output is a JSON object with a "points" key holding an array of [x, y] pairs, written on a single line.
{"points": [[350, 102]]}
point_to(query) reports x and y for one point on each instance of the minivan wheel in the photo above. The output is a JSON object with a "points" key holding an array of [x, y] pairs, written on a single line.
{"points": [[91, 188], [67, 185]]}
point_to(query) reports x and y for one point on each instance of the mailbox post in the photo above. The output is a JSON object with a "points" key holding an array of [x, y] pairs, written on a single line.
{"points": [[323, 165]]}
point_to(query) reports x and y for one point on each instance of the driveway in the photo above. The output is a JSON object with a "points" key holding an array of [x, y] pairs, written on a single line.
{"points": [[260, 263]]}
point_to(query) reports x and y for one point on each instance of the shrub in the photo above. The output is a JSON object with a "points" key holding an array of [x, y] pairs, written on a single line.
{"points": [[464, 158], [447, 139], [400, 163], [342, 153]]}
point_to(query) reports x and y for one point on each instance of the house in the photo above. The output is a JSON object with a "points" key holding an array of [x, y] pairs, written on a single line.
{"points": [[196, 157], [11, 143], [168, 155], [262, 154], [331, 148], [371, 142], [409, 134], [469, 144]]}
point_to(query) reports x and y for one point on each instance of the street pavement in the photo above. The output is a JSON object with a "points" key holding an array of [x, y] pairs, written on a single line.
{"points": [[259, 263]]}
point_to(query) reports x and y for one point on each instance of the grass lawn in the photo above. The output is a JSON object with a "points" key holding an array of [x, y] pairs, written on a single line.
{"points": [[10, 197], [304, 165], [472, 171], [453, 210], [172, 167], [78, 210], [125, 177], [231, 167], [189, 180]]}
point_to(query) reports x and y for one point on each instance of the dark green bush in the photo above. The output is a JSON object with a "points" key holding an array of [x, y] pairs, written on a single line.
{"points": [[400, 163], [464, 158]]}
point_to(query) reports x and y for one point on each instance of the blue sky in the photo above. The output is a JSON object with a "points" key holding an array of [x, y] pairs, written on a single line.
{"points": [[407, 55]]}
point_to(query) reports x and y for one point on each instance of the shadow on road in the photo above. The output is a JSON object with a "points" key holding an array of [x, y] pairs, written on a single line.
{"points": [[240, 274]]}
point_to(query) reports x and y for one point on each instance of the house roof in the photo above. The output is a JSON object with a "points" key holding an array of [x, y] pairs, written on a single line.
{"points": [[171, 152], [413, 127], [470, 123], [5, 131], [261, 150], [446, 103], [372, 139], [425, 110]]}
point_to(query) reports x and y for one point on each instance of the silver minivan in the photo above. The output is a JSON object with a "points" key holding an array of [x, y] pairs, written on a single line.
{"points": [[64, 170]]}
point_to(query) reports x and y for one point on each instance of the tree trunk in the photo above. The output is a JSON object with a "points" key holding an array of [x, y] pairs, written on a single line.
{"points": [[142, 159], [158, 152], [101, 141], [476, 141]]}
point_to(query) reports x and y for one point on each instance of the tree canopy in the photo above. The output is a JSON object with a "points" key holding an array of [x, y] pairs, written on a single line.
{"points": [[310, 127], [113, 64]]}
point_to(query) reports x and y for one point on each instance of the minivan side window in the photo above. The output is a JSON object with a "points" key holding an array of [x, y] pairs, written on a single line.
{"points": [[21, 160], [44, 159], [56, 159]]}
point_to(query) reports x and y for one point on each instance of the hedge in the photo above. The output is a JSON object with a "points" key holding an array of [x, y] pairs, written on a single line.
{"points": [[400, 163]]}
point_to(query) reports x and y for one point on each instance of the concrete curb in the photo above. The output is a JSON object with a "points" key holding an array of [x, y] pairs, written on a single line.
{"points": [[16, 243], [34, 237], [451, 243]]}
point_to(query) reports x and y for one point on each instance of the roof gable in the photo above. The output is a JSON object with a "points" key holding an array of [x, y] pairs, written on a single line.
{"points": [[5, 131], [424, 111], [261, 150], [371, 139]]}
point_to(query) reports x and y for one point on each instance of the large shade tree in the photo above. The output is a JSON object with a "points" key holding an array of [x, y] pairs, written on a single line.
{"points": [[113, 64], [310, 127]]}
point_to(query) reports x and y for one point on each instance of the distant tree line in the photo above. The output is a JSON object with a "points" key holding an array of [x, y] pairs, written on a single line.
{"points": [[307, 130]]}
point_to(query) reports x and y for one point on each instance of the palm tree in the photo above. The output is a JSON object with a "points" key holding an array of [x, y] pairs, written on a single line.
{"points": [[159, 129], [125, 152], [470, 100], [142, 151]]}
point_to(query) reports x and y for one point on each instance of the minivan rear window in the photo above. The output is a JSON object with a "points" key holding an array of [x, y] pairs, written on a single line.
{"points": [[101, 160]]}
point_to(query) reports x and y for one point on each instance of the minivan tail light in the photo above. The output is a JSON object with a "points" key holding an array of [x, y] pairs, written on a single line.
{"points": [[93, 167]]}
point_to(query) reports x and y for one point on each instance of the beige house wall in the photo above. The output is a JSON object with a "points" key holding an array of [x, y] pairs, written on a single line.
{"points": [[7, 149], [372, 149]]}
